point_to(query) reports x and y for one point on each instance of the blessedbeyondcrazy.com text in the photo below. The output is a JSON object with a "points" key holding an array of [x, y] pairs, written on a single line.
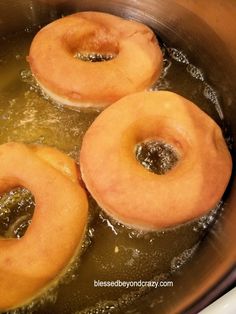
{"points": [[129, 284]]}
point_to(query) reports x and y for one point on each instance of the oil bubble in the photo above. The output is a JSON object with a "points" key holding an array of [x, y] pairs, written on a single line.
{"points": [[178, 55], [195, 72], [178, 261]]}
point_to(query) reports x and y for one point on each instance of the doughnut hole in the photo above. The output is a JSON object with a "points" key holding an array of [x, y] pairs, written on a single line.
{"points": [[96, 45], [158, 146], [158, 157], [16, 212]]}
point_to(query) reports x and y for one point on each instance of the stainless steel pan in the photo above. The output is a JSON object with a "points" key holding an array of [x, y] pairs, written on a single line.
{"points": [[205, 28]]}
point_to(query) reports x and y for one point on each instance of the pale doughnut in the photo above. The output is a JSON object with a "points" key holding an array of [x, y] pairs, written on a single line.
{"points": [[136, 65]]}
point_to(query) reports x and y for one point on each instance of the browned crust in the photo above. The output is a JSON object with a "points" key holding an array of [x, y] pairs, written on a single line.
{"points": [[31, 264]]}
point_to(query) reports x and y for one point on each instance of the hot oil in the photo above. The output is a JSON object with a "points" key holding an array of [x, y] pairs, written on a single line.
{"points": [[157, 156], [110, 250], [16, 211]]}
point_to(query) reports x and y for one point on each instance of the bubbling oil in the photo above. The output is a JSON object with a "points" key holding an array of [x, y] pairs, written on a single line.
{"points": [[157, 156], [110, 250]]}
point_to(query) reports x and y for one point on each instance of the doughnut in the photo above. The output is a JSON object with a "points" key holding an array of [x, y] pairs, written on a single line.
{"points": [[137, 197], [59, 52], [30, 265], [58, 160]]}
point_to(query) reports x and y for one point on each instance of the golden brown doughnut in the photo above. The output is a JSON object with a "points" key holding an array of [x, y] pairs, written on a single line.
{"points": [[31, 264], [136, 65], [58, 160], [132, 194]]}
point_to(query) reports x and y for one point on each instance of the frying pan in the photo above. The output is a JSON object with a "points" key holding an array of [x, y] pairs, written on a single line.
{"points": [[205, 28]]}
